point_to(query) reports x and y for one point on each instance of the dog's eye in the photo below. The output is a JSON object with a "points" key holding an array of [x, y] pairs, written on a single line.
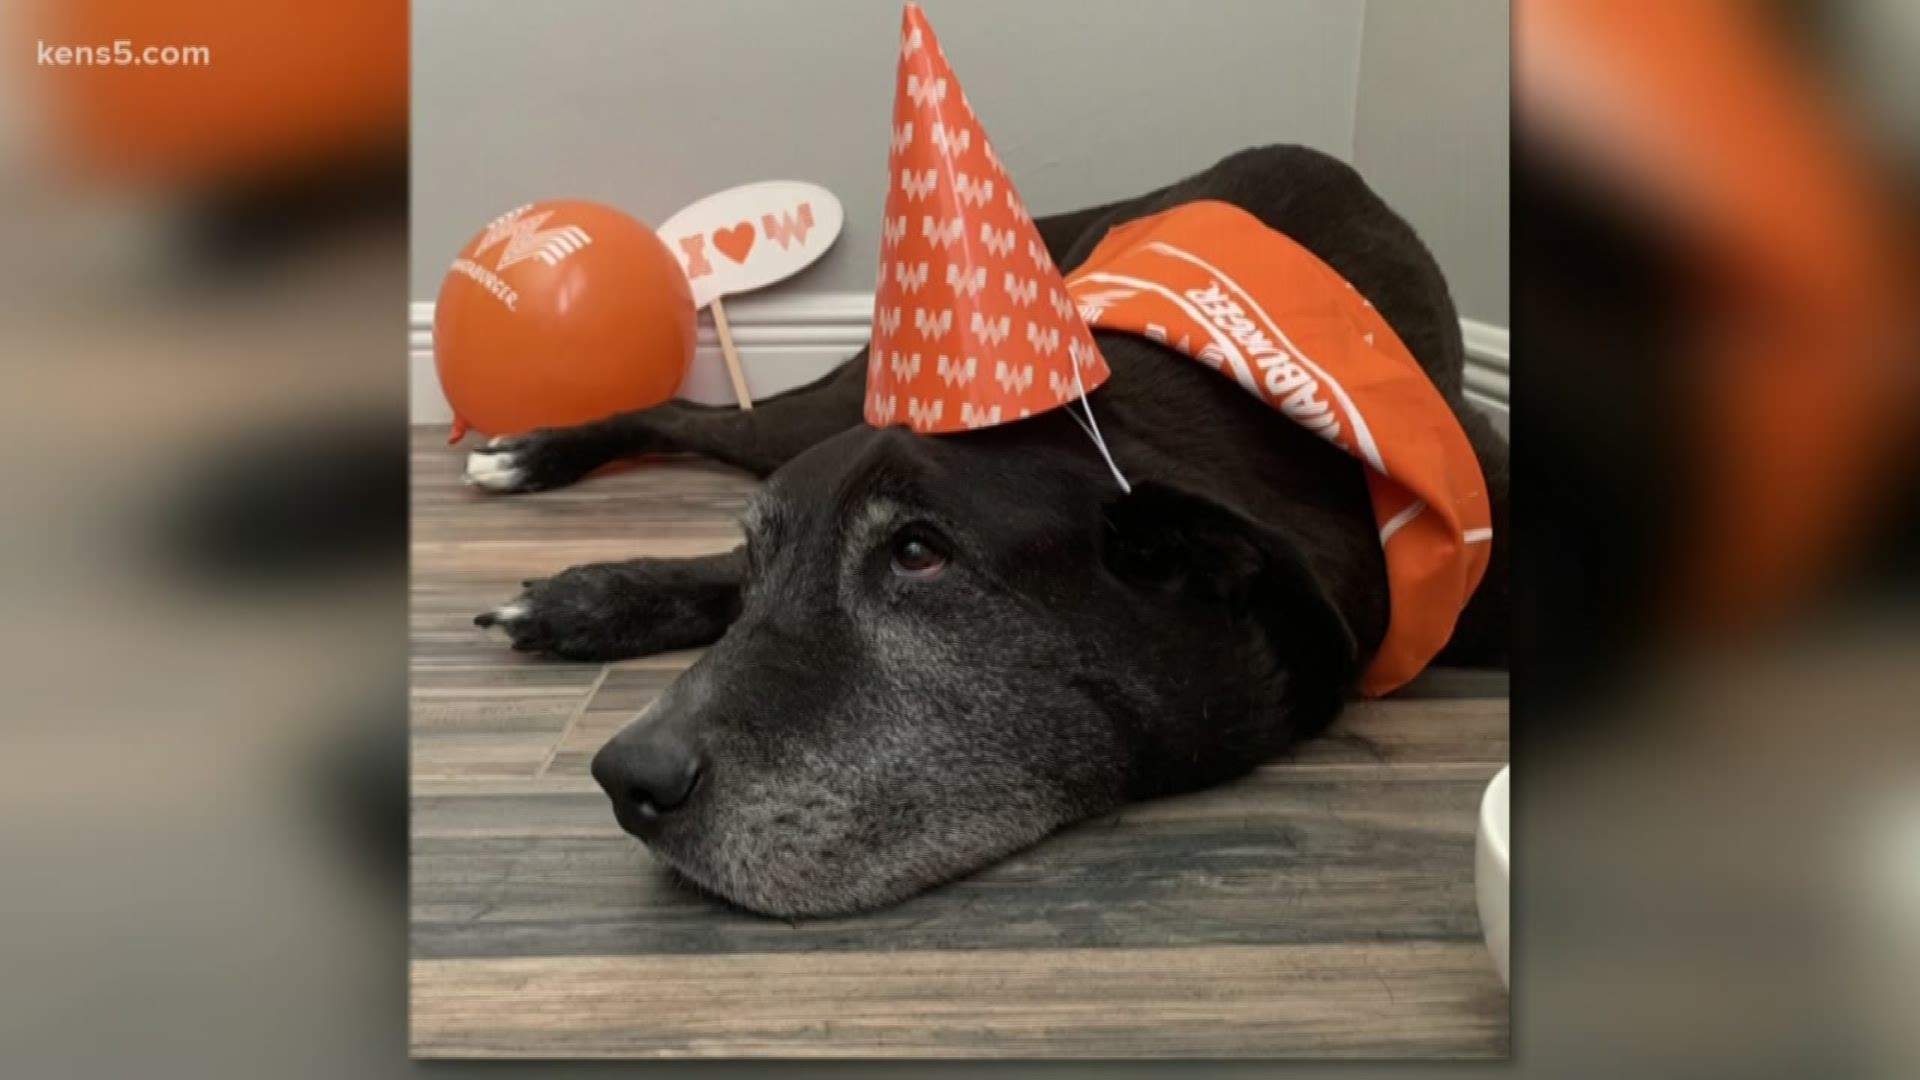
{"points": [[915, 556]]}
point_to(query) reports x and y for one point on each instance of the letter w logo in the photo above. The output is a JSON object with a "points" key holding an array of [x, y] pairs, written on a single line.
{"points": [[1093, 305], [957, 371], [923, 92], [1045, 342], [910, 278], [932, 327], [1083, 355], [940, 232], [918, 187], [1062, 387], [527, 240], [1012, 380], [789, 228], [997, 242], [975, 418], [977, 192], [991, 331], [950, 142], [1021, 292], [924, 415], [964, 283]]}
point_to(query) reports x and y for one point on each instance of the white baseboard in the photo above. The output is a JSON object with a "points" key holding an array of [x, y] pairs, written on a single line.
{"points": [[1486, 375], [788, 341]]}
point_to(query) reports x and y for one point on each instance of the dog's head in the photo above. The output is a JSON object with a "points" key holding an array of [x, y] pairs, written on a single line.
{"points": [[949, 647]]}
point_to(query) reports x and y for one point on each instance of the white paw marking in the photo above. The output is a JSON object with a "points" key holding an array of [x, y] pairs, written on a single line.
{"points": [[493, 472]]}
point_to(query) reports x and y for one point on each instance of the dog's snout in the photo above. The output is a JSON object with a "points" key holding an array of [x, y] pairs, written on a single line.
{"points": [[648, 766]]}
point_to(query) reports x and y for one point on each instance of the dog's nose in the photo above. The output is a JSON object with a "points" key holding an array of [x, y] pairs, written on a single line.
{"points": [[651, 766]]}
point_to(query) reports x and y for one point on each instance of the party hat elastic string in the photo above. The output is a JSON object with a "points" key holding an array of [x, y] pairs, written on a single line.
{"points": [[1092, 428]]}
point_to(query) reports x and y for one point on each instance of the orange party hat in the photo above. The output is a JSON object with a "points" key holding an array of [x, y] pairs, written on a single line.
{"points": [[972, 324]]}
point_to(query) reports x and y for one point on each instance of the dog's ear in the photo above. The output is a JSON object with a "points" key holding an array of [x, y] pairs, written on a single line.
{"points": [[1166, 540]]}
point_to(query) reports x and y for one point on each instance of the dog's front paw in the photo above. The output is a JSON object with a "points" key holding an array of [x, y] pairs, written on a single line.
{"points": [[571, 615], [615, 611], [537, 461], [496, 466]]}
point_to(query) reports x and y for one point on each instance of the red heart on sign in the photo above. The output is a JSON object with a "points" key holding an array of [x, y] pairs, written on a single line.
{"points": [[734, 243]]}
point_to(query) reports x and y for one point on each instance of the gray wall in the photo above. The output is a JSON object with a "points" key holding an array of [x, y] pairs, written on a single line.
{"points": [[1086, 100], [1430, 134]]}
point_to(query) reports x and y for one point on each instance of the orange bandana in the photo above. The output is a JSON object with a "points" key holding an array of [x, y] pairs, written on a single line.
{"points": [[1211, 281]]}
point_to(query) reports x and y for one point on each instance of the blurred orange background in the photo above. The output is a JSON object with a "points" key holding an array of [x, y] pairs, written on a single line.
{"points": [[289, 86]]}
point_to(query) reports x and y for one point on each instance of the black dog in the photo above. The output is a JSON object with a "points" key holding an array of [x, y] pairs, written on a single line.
{"points": [[933, 651]]}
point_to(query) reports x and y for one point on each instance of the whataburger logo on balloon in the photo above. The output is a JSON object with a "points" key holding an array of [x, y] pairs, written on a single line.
{"points": [[517, 236]]}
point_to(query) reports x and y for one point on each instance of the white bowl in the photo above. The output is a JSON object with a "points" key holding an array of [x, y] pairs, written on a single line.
{"points": [[1493, 871]]}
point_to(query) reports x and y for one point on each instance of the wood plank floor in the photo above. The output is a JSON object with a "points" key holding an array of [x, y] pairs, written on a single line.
{"points": [[1320, 908]]}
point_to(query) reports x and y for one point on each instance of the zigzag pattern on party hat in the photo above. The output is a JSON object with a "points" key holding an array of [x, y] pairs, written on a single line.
{"points": [[972, 323]]}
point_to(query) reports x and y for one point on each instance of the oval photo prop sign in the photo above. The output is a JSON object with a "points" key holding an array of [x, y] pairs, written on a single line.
{"points": [[751, 236]]}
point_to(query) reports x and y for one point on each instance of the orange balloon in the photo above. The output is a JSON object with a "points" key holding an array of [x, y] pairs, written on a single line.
{"points": [[558, 313]]}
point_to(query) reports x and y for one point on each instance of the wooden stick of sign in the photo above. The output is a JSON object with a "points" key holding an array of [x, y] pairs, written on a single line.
{"points": [[732, 354], [747, 238]]}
